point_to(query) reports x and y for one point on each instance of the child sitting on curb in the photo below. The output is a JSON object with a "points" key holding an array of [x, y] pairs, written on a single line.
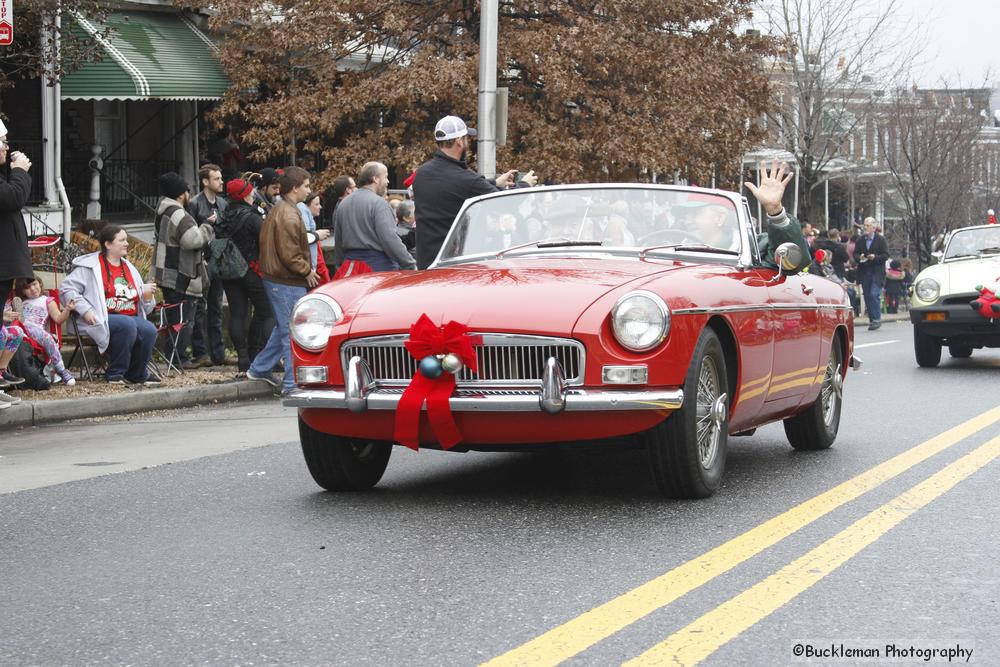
{"points": [[36, 310]]}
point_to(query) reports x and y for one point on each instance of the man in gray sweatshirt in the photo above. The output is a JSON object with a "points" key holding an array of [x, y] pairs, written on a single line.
{"points": [[365, 226]]}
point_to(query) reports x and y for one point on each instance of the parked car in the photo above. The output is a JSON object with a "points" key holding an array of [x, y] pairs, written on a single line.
{"points": [[601, 311], [941, 305]]}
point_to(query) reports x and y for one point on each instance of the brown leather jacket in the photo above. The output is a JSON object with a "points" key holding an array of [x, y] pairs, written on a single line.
{"points": [[284, 248]]}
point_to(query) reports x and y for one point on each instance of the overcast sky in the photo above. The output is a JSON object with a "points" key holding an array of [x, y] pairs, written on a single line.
{"points": [[962, 38]]}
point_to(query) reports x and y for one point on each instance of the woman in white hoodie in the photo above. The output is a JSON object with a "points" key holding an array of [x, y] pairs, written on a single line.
{"points": [[112, 302]]}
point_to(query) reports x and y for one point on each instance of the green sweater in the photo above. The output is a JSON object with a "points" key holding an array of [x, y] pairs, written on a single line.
{"points": [[782, 228]]}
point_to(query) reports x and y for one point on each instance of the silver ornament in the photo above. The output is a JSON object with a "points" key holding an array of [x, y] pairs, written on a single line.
{"points": [[452, 363]]}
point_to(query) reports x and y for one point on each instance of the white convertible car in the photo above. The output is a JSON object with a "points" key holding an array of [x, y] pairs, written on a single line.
{"points": [[941, 307]]}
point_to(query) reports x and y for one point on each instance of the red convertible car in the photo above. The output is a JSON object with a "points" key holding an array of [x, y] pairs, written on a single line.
{"points": [[574, 313]]}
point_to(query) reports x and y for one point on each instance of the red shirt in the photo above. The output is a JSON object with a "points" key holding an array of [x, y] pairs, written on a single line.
{"points": [[120, 293]]}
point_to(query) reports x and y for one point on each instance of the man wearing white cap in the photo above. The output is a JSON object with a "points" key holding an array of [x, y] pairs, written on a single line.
{"points": [[15, 260], [443, 183]]}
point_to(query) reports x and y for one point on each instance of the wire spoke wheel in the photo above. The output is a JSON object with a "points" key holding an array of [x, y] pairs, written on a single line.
{"points": [[816, 426], [708, 423], [687, 451]]}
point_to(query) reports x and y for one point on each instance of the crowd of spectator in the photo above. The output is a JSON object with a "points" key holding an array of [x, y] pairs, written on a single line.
{"points": [[861, 262], [254, 240]]}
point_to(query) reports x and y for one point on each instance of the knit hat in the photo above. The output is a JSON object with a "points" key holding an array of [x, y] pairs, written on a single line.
{"points": [[238, 189], [269, 176], [172, 185]]}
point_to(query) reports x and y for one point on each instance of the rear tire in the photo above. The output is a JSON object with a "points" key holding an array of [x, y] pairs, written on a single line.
{"points": [[816, 427], [343, 464], [926, 348], [960, 351], [687, 451]]}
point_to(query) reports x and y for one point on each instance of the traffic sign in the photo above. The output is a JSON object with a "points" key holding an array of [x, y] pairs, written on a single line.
{"points": [[6, 22]]}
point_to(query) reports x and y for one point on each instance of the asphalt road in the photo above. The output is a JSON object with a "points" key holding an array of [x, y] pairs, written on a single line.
{"points": [[212, 545]]}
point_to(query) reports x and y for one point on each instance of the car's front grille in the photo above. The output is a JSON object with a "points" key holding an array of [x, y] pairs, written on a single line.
{"points": [[959, 299], [502, 359]]}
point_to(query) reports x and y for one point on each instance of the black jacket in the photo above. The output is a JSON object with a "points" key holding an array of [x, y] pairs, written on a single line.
{"points": [[15, 260], [441, 186], [838, 252], [201, 210], [875, 266], [241, 222]]}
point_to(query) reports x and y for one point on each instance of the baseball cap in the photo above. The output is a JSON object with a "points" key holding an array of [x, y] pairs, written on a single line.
{"points": [[452, 127]]}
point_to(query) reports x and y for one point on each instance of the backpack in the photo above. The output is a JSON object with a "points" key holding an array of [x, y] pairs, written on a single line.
{"points": [[25, 364], [352, 267], [224, 260]]}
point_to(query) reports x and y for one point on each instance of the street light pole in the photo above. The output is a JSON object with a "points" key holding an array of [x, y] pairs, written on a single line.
{"points": [[487, 136]]}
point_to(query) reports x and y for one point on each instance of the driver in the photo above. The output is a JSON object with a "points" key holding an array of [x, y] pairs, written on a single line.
{"points": [[714, 225]]}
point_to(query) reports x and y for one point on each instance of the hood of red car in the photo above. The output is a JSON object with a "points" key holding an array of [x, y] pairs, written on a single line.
{"points": [[509, 295]]}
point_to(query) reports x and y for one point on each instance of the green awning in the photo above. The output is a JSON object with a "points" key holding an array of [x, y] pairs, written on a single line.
{"points": [[147, 55]]}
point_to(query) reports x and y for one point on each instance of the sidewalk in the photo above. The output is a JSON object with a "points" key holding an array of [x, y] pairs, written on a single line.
{"points": [[99, 399], [886, 317]]}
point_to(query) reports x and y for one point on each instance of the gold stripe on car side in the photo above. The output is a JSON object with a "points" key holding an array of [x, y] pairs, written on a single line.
{"points": [[779, 382]]}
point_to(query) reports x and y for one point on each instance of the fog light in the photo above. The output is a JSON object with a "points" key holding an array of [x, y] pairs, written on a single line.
{"points": [[625, 375], [311, 375]]}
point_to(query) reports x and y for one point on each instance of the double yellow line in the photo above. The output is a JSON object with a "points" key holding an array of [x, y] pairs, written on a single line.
{"points": [[705, 635]]}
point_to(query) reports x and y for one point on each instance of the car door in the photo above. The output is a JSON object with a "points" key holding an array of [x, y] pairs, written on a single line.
{"points": [[796, 325]]}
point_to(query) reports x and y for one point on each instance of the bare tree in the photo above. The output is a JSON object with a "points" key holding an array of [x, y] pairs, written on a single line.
{"points": [[608, 90], [838, 56], [929, 144]]}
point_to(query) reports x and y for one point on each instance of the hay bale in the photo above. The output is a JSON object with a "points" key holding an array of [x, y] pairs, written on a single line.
{"points": [[140, 253]]}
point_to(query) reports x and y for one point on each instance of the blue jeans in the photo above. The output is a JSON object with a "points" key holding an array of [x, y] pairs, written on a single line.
{"points": [[282, 298], [871, 285], [130, 347]]}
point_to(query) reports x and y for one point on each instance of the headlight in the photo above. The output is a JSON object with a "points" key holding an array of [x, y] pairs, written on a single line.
{"points": [[927, 289], [640, 321], [312, 321]]}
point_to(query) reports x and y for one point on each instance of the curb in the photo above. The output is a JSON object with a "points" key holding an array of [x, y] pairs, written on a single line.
{"points": [[35, 413], [886, 317]]}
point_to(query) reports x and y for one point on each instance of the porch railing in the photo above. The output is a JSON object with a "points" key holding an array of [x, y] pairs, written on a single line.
{"points": [[127, 186]]}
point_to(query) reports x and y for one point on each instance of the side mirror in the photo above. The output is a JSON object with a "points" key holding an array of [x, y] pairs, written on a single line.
{"points": [[787, 256]]}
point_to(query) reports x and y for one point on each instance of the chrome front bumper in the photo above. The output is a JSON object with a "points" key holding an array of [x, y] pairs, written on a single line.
{"points": [[553, 397]]}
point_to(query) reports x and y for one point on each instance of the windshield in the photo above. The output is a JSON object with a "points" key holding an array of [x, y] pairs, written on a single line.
{"points": [[974, 242], [592, 219]]}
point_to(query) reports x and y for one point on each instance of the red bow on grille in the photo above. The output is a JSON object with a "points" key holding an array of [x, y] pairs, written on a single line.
{"points": [[429, 340]]}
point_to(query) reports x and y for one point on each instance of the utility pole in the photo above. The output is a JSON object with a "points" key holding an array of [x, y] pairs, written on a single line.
{"points": [[486, 126]]}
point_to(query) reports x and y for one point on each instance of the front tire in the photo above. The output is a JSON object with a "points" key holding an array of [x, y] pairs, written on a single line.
{"points": [[343, 464], [960, 351], [926, 348], [687, 451], [816, 428]]}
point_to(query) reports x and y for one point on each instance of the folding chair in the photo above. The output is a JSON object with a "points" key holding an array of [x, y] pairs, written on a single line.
{"points": [[81, 342], [54, 330], [51, 245], [161, 316]]}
